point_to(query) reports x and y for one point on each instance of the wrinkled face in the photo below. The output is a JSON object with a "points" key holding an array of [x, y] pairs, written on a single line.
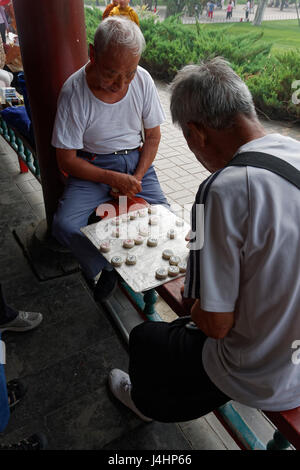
{"points": [[115, 69], [201, 148]]}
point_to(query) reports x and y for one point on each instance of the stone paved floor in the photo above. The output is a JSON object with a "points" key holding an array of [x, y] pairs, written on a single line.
{"points": [[64, 363]]}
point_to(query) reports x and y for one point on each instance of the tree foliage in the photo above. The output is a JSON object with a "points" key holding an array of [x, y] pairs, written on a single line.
{"points": [[171, 45]]}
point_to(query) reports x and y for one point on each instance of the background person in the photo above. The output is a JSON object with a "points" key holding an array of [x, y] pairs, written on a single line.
{"points": [[12, 392], [4, 26], [109, 8], [229, 10], [125, 10]]}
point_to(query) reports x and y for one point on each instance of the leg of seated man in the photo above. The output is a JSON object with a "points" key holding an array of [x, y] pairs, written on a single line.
{"points": [[168, 382], [79, 200]]}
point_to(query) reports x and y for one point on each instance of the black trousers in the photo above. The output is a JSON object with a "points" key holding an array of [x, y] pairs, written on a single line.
{"points": [[169, 383], [7, 313]]}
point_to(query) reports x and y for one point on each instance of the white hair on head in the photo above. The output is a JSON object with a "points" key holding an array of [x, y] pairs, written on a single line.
{"points": [[119, 31], [211, 94]]}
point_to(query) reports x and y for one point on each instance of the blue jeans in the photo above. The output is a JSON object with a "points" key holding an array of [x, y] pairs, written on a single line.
{"points": [[81, 197]]}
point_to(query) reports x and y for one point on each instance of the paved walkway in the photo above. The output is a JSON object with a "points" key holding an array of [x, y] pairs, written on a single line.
{"points": [[238, 14], [178, 170], [271, 14]]}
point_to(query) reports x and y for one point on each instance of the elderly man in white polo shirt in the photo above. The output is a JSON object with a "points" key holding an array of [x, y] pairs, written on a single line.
{"points": [[244, 281]]}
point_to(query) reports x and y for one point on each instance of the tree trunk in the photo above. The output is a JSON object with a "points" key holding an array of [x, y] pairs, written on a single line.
{"points": [[260, 12]]}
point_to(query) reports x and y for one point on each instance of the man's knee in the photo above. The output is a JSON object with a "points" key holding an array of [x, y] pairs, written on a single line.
{"points": [[63, 228], [149, 336], [137, 334]]}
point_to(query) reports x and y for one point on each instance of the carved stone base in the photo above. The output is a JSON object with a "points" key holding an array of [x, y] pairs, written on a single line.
{"points": [[47, 257]]}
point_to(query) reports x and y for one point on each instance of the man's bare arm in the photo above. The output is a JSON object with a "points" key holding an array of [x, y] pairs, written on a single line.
{"points": [[78, 167], [148, 152], [214, 324]]}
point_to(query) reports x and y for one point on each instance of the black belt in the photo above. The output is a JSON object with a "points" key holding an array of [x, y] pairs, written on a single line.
{"points": [[124, 152]]}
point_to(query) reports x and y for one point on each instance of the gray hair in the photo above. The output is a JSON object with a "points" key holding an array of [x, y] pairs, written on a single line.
{"points": [[119, 31], [211, 94]]}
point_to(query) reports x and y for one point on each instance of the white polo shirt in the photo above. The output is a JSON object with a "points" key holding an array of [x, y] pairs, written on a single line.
{"points": [[250, 264], [85, 122]]}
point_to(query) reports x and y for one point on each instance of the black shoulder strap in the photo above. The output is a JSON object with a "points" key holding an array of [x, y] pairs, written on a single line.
{"points": [[268, 162], [259, 160]]}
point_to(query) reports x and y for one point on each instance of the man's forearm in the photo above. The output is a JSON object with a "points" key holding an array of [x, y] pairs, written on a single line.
{"points": [[148, 152], [82, 169], [214, 324], [68, 162]]}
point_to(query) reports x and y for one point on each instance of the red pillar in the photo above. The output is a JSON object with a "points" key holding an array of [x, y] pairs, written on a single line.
{"points": [[53, 46]]}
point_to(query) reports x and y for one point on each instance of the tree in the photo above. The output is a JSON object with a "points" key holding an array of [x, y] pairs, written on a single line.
{"points": [[260, 12], [174, 7]]}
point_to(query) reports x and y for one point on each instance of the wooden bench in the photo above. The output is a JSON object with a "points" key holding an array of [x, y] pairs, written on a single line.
{"points": [[286, 422]]}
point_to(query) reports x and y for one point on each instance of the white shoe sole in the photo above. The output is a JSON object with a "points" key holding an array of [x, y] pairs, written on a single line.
{"points": [[21, 329]]}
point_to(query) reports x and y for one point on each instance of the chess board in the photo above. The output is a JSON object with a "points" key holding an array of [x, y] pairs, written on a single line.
{"points": [[158, 226]]}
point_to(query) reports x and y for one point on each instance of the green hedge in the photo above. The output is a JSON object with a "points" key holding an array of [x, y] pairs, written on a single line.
{"points": [[93, 16], [170, 46]]}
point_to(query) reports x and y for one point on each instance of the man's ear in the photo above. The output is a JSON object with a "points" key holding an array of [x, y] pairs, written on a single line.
{"points": [[197, 132], [92, 53]]}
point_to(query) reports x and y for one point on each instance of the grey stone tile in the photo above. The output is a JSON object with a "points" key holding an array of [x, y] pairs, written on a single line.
{"points": [[10, 196], [76, 330], [154, 436], [17, 212], [68, 380], [90, 422], [13, 435], [201, 435], [34, 197], [25, 187], [12, 265]]}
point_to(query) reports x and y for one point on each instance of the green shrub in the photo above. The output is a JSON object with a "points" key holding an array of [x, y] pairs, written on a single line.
{"points": [[93, 16], [272, 86], [170, 46]]}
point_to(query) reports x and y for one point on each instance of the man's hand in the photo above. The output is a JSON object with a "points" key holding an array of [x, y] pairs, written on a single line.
{"points": [[214, 324], [187, 303], [127, 185], [68, 162]]}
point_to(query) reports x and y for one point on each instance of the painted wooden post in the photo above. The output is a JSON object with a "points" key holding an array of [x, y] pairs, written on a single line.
{"points": [[53, 45]]}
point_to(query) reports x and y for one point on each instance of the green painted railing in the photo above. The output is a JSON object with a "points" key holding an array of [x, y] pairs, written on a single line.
{"points": [[26, 154]]}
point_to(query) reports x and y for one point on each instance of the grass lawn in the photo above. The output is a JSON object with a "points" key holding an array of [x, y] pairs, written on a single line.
{"points": [[282, 34]]}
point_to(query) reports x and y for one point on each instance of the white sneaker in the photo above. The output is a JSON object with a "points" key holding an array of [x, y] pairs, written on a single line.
{"points": [[25, 321], [120, 385]]}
